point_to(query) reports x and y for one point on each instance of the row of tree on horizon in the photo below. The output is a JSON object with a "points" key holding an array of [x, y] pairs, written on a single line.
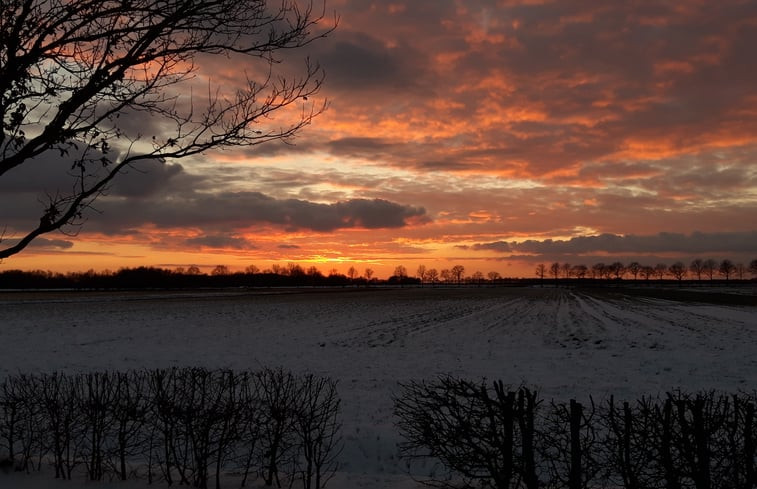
{"points": [[294, 274], [697, 269]]}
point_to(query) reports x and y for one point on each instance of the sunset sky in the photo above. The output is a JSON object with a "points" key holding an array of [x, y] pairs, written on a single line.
{"points": [[492, 134]]}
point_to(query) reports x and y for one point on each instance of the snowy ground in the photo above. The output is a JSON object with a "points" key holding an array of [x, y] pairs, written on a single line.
{"points": [[566, 342]]}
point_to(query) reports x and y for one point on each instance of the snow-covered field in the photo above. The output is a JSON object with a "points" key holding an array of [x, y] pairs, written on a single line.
{"points": [[566, 342]]}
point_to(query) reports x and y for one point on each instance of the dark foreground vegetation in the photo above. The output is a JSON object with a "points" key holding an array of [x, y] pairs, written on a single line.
{"points": [[203, 428], [159, 278], [477, 434], [186, 426]]}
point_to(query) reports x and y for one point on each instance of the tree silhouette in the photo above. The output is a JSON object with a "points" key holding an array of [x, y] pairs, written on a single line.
{"points": [[457, 273], [554, 270], [83, 81], [753, 267], [660, 269], [726, 268], [617, 269], [220, 270], [352, 273], [400, 272], [579, 271], [634, 268], [677, 270], [541, 271], [647, 272], [697, 268], [477, 277], [708, 267], [422, 273]]}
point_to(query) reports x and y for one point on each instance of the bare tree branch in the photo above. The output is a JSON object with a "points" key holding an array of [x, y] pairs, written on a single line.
{"points": [[69, 71]]}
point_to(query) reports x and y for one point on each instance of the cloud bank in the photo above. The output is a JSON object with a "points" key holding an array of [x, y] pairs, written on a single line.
{"points": [[694, 243]]}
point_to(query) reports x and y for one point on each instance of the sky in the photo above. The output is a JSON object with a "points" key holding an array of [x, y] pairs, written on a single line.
{"points": [[491, 134]]}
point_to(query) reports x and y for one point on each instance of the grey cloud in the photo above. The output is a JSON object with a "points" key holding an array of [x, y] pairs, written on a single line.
{"points": [[499, 246], [146, 178], [697, 242], [52, 173], [233, 210], [357, 61], [221, 241], [60, 244], [44, 243]]}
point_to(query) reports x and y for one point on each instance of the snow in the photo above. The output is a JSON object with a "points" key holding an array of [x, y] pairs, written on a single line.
{"points": [[566, 342]]}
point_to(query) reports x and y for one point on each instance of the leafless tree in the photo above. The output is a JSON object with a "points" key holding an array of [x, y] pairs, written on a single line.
{"points": [[598, 270], [677, 270], [220, 270], [697, 268], [579, 271], [457, 273], [295, 270], [493, 276], [251, 269], [634, 268], [445, 275], [726, 268], [352, 273], [74, 73], [660, 270], [567, 270], [432, 275], [554, 270], [474, 435], [647, 272], [753, 267], [400, 271], [617, 269], [317, 427], [422, 273], [368, 273], [740, 270], [477, 277], [541, 271], [708, 267]]}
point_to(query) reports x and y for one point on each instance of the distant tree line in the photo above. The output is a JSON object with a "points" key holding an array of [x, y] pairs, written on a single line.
{"points": [[463, 433], [698, 269], [295, 275], [189, 426], [190, 277]]}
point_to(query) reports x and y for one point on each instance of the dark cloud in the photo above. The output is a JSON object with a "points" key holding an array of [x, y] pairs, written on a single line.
{"points": [[146, 178], [358, 62], [236, 210], [220, 241], [59, 244], [697, 242], [499, 246], [41, 244], [52, 173], [549, 85]]}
